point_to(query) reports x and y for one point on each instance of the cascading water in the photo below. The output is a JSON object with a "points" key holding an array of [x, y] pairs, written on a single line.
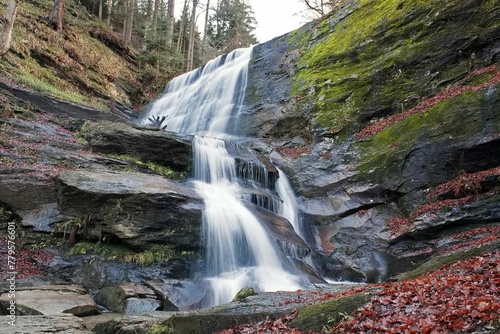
{"points": [[239, 251], [289, 208], [206, 100]]}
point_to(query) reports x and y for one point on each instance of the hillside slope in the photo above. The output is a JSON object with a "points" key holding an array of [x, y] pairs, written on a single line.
{"points": [[84, 64]]}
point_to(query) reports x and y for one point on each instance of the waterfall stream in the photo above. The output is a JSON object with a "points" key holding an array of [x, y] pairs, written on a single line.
{"points": [[240, 253]]}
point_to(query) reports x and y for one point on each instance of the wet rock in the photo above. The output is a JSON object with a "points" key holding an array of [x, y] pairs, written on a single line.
{"points": [[177, 294], [357, 245], [128, 298], [41, 218], [95, 272], [254, 308]]}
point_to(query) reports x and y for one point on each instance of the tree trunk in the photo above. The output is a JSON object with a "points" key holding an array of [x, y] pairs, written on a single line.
{"points": [[110, 7], [149, 11], [182, 26], [125, 21], [205, 31], [170, 22], [56, 15], [192, 34], [8, 23], [156, 16], [100, 10], [130, 25], [128, 21]]}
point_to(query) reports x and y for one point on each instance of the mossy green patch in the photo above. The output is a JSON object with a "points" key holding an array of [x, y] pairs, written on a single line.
{"points": [[384, 56], [243, 294], [457, 119], [156, 253], [154, 167], [159, 328], [320, 316]]}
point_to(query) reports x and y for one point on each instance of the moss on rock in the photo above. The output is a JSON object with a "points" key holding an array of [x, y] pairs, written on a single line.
{"points": [[319, 316], [243, 294], [351, 78], [458, 119]]}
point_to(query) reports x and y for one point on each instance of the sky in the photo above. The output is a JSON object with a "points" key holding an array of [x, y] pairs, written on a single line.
{"points": [[276, 17]]}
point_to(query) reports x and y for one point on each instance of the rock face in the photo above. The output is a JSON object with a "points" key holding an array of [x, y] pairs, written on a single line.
{"points": [[132, 207], [399, 149], [160, 147]]}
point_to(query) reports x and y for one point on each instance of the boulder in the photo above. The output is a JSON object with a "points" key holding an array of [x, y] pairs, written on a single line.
{"points": [[135, 208], [130, 324], [50, 300], [128, 298], [177, 294], [55, 323], [148, 145], [253, 308]]}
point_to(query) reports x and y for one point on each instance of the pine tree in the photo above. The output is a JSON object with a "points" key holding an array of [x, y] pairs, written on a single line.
{"points": [[231, 26]]}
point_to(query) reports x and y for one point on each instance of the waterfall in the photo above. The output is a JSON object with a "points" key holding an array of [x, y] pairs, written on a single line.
{"points": [[289, 208], [206, 100], [239, 251]]}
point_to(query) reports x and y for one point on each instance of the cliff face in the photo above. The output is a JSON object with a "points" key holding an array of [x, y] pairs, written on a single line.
{"points": [[386, 116]]}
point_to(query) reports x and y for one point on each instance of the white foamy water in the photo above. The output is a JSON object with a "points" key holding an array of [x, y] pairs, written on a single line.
{"points": [[206, 99], [239, 251], [289, 207]]}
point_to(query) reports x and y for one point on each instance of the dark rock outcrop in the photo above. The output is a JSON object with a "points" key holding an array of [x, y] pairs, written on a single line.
{"points": [[160, 147], [386, 116], [134, 208]]}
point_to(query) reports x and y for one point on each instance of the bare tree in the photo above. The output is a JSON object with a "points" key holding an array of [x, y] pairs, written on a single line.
{"points": [[182, 30], [8, 23], [170, 22], [320, 8], [110, 8], [100, 10], [192, 36], [128, 21], [56, 15], [156, 15], [205, 31]]}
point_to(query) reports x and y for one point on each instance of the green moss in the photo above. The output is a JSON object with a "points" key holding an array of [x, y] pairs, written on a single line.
{"points": [[348, 75], [320, 316], [159, 328], [243, 294], [252, 95], [157, 253], [109, 251], [154, 167], [457, 119]]}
